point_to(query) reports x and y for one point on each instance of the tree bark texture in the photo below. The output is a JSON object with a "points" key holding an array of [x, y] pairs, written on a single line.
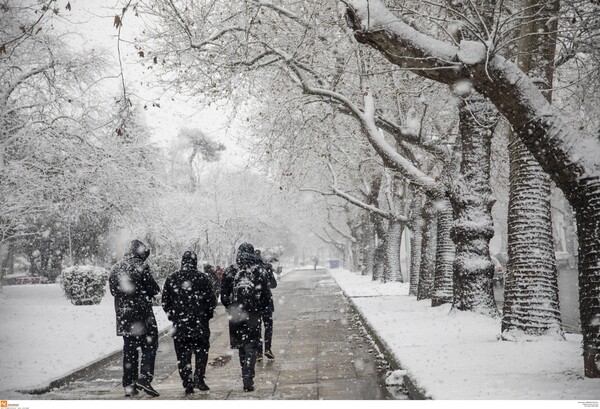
{"points": [[472, 206], [445, 252], [428, 250], [531, 304], [416, 240], [393, 241]]}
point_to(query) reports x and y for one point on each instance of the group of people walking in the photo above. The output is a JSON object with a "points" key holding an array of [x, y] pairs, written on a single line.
{"points": [[189, 298]]}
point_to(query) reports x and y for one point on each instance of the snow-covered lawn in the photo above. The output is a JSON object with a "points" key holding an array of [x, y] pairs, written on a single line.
{"points": [[44, 337], [456, 355]]}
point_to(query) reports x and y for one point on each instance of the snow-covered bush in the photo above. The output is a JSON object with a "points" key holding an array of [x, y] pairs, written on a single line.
{"points": [[84, 285]]}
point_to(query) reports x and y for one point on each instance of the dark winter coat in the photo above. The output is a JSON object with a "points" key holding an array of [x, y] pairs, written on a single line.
{"points": [[189, 300], [244, 323], [210, 272], [132, 285], [269, 277]]}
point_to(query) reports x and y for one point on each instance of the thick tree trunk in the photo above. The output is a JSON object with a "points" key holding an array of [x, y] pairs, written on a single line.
{"points": [[393, 241], [531, 304], [428, 250], [472, 205], [445, 251], [587, 213]]}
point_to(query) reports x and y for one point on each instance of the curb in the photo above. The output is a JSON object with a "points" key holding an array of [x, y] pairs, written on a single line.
{"points": [[413, 391], [83, 371]]}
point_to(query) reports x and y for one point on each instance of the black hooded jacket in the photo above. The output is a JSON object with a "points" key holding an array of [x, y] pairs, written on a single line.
{"points": [[132, 285], [189, 300], [244, 324]]}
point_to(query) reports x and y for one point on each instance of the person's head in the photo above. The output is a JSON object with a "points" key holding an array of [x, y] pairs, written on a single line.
{"points": [[208, 269], [257, 255], [189, 261], [137, 249], [245, 255]]}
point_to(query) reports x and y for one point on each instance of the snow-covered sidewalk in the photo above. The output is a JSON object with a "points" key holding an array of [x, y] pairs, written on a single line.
{"points": [[457, 355]]}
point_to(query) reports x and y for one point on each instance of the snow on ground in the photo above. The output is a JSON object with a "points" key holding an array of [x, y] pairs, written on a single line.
{"points": [[44, 337], [456, 355]]}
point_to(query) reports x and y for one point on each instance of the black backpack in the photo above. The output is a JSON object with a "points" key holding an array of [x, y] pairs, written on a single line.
{"points": [[244, 290]]}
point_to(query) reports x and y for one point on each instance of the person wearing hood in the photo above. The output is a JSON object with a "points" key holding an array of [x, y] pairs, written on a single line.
{"points": [[244, 294], [189, 300], [132, 285]]}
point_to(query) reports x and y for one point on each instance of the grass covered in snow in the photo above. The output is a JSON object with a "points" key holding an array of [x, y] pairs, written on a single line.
{"points": [[44, 337]]}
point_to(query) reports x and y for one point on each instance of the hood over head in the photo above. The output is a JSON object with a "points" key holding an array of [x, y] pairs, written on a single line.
{"points": [[258, 255], [137, 249], [189, 261], [245, 255], [208, 269]]}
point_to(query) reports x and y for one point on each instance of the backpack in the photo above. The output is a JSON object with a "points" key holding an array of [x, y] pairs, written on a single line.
{"points": [[244, 290]]}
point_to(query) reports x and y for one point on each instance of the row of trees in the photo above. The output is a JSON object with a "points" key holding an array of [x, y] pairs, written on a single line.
{"points": [[415, 151], [80, 173]]}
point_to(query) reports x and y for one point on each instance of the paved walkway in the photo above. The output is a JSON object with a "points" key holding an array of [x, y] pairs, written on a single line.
{"points": [[320, 348]]}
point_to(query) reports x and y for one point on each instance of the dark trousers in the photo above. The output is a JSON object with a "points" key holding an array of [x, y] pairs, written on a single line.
{"points": [[267, 318], [248, 361], [184, 349], [148, 343]]}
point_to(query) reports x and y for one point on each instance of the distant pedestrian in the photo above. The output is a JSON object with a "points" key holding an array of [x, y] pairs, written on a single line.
{"points": [[268, 309], [132, 285], [189, 301], [243, 293], [316, 261], [209, 270]]}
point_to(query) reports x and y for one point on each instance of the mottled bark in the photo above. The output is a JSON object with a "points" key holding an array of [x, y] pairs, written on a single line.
{"points": [[428, 250], [472, 205], [445, 251]]}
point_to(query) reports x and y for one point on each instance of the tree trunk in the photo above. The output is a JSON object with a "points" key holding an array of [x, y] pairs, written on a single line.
{"points": [[472, 205], [587, 213], [393, 241], [531, 287], [531, 302], [445, 250], [416, 241], [428, 250]]}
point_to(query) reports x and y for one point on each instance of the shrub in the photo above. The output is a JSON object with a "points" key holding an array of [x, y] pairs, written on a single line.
{"points": [[84, 285]]}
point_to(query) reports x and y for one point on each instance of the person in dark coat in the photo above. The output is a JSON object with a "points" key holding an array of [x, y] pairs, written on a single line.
{"points": [[189, 301], [245, 319], [132, 285], [269, 307], [211, 273]]}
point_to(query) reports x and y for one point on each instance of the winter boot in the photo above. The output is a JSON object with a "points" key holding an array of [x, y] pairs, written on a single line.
{"points": [[146, 387], [269, 354], [248, 385], [201, 385], [189, 390], [131, 390]]}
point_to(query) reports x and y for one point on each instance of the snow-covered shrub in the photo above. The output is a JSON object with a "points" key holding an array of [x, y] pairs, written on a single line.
{"points": [[84, 285]]}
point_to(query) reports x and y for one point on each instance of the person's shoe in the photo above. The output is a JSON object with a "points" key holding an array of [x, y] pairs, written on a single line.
{"points": [[248, 385], [269, 354], [259, 358], [189, 390], [202, 386], [131, 390], [146, 387]]}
